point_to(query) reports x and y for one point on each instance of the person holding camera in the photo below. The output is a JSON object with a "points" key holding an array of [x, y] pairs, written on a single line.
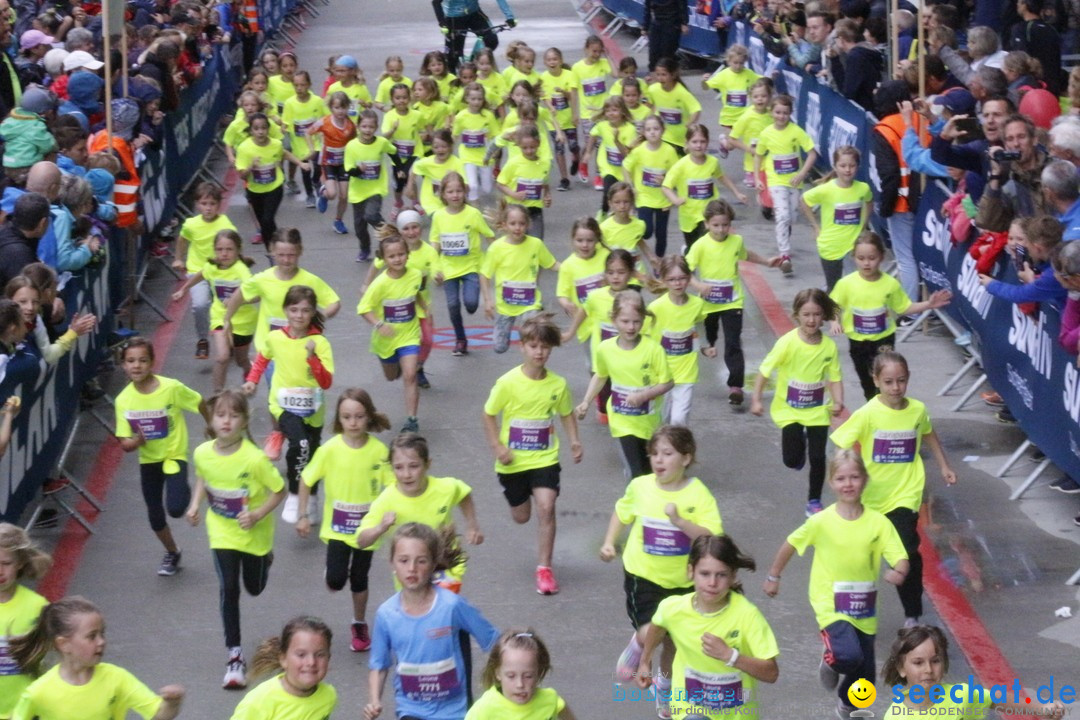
{"points": [[1014, 182]]}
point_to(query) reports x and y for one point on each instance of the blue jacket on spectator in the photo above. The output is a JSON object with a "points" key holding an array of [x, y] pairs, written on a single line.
{"points": [[69, 256], [1045, 288]]}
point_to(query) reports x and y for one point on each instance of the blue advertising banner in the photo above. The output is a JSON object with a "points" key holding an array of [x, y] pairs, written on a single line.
{"points": [[1021, 356]]}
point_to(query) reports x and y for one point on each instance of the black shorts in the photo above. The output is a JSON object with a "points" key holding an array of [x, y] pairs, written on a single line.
{"points": [[238, 340], [335, 172], [518, 487], [643, 596]]}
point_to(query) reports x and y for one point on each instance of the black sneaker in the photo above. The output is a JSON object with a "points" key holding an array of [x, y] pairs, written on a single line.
{"points": [[202, 349], [1076, 520], [170, 564], [1004, 416], [767, 213], [904, 321], [421, 379], [412, 425], [564, 184], [460, 349], [1066, 484]]}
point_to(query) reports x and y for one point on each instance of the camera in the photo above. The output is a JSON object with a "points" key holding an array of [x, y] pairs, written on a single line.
{"points": [[1006, 155]]}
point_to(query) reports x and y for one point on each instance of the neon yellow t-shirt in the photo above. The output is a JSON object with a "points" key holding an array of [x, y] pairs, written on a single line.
{"points": [[18, 616], [507, 138], [433, 117], [869, 307], [446, 84], [578, 277], [382, 92], [847, 562], [545, 704], [843, 216], [433, 173], [598, 307], [626, 236], [638, 115], [200, 237], [593, 80], [703, 684], [734, 91], [527, 176], [512, 75], [159, 415], [514, 269], [368, 159], [110, 694], [890, 441], [396, 302], [675, 328], [270, 291], [529, 409], [803, 372], [223, 283], [609, 157], [298, 118], [457, 238], [781, 152], [748, 129], [675, 107], [280, 90], [433, 507], [559, 89], [716, 263], [293, 386], [976, 707], [406, 136], [240, 481], [359, 96], [694, 182], [474, 131], [647, 169], [630, 371], [495, 89], [239, 130], [352, 478], [270, 701], [264, 162], [423, 260], [657, 549]]}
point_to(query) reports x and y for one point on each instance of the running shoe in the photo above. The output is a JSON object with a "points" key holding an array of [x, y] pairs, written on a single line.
{"points": [[461, 348], [235, 673], [828, 677], [627, 664], [421, 379], [339, 227], [813, 507], [272, 446], [601, 418], [291, 188], [1076, 520], [843, 710], [767, 213], [748, 180], [1004, 416], [290, 512], [257, 240], [411, 425], [735, 396], [202, 349], [993, 399], [361, 641], [911, 622], [170, 564], [598, 183], [785, 265], [1065, 484], [564, 184], [310, 202], [545, 581], [583, 173], [322, 203], [663, 702]]}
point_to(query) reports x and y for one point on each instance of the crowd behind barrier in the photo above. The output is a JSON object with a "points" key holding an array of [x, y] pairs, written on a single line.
{"points": [[50, 394], [1020, 355]]}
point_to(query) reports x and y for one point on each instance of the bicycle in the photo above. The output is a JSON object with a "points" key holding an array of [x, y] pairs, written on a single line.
{"points": [[452, 59]]}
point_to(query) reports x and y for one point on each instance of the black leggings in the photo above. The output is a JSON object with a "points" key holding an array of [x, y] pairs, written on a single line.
{"points": [[634, 449], [480, 25], [232, 565], [303, 442], [609, 180], [910, 591], [732, 321], [401, 171], [307, 175], [364, 213], [344, 562], [265, 207], [862, 354], [175, 488], [656, 221], [691, 237], [794, 439]]}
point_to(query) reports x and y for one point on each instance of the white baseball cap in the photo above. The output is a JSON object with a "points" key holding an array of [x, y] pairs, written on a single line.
{"points": [[81, 59]]}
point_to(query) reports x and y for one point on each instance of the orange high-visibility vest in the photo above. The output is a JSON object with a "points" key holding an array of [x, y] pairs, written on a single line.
{"points": [[892, 128], [125, 192]]}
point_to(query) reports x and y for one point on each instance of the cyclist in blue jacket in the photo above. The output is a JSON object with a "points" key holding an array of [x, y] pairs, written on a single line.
{"points": [[456, 16]]}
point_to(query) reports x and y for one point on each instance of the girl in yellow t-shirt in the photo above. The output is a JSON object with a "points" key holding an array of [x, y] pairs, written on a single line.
{"points": [[393, 304], [393, 74], [474, 127], [225, 272], [665, 511], [401, 126], [645, 168], [258, 162], [354, 467], [678, 315], [302, 653], [434, 66], [744, 136], [301, 113], [673, 102], [723, 644], [612, 136], [581, 273], [845, 209], [75, 629], [806, 363], [518, 663], [594, 75], [242, 487], [20, 606], [433, 169], [150, 419], [733, 83], [559, 87]]}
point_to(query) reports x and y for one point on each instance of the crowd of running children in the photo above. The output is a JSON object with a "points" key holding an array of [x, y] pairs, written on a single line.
{"points": [[443, 138]]}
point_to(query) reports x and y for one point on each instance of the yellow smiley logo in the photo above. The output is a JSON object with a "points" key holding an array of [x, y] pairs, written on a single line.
{"points": [[862, 693]]}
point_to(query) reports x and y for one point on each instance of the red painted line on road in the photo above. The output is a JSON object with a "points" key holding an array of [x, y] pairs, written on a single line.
{"points": [[956, 611]]}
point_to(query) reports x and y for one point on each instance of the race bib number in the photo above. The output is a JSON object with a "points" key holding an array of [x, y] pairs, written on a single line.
{"points": [[277, 323], [785, 164], [594, 86], [802, 395], [333, 156], [454, 244], [223, 289], [302, 402], [699, 189], [559, 102], [345, 517], [677, 343], [619, 394], [153, 424], [671, 117], [399, 311], [227, 503], [721, 292], [847, 213], [428, 681], [660, 537], [895, 446], [474, 138], [530, 435], [737, 99], [404, 148], [8, 666], [370, 170], [532, 188], [520, 293], [614, 157], [607, 330], [715, 691], [870, 322], [263, 174], [584, 286], [855, 599], [300, 127], [652, 177]]}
